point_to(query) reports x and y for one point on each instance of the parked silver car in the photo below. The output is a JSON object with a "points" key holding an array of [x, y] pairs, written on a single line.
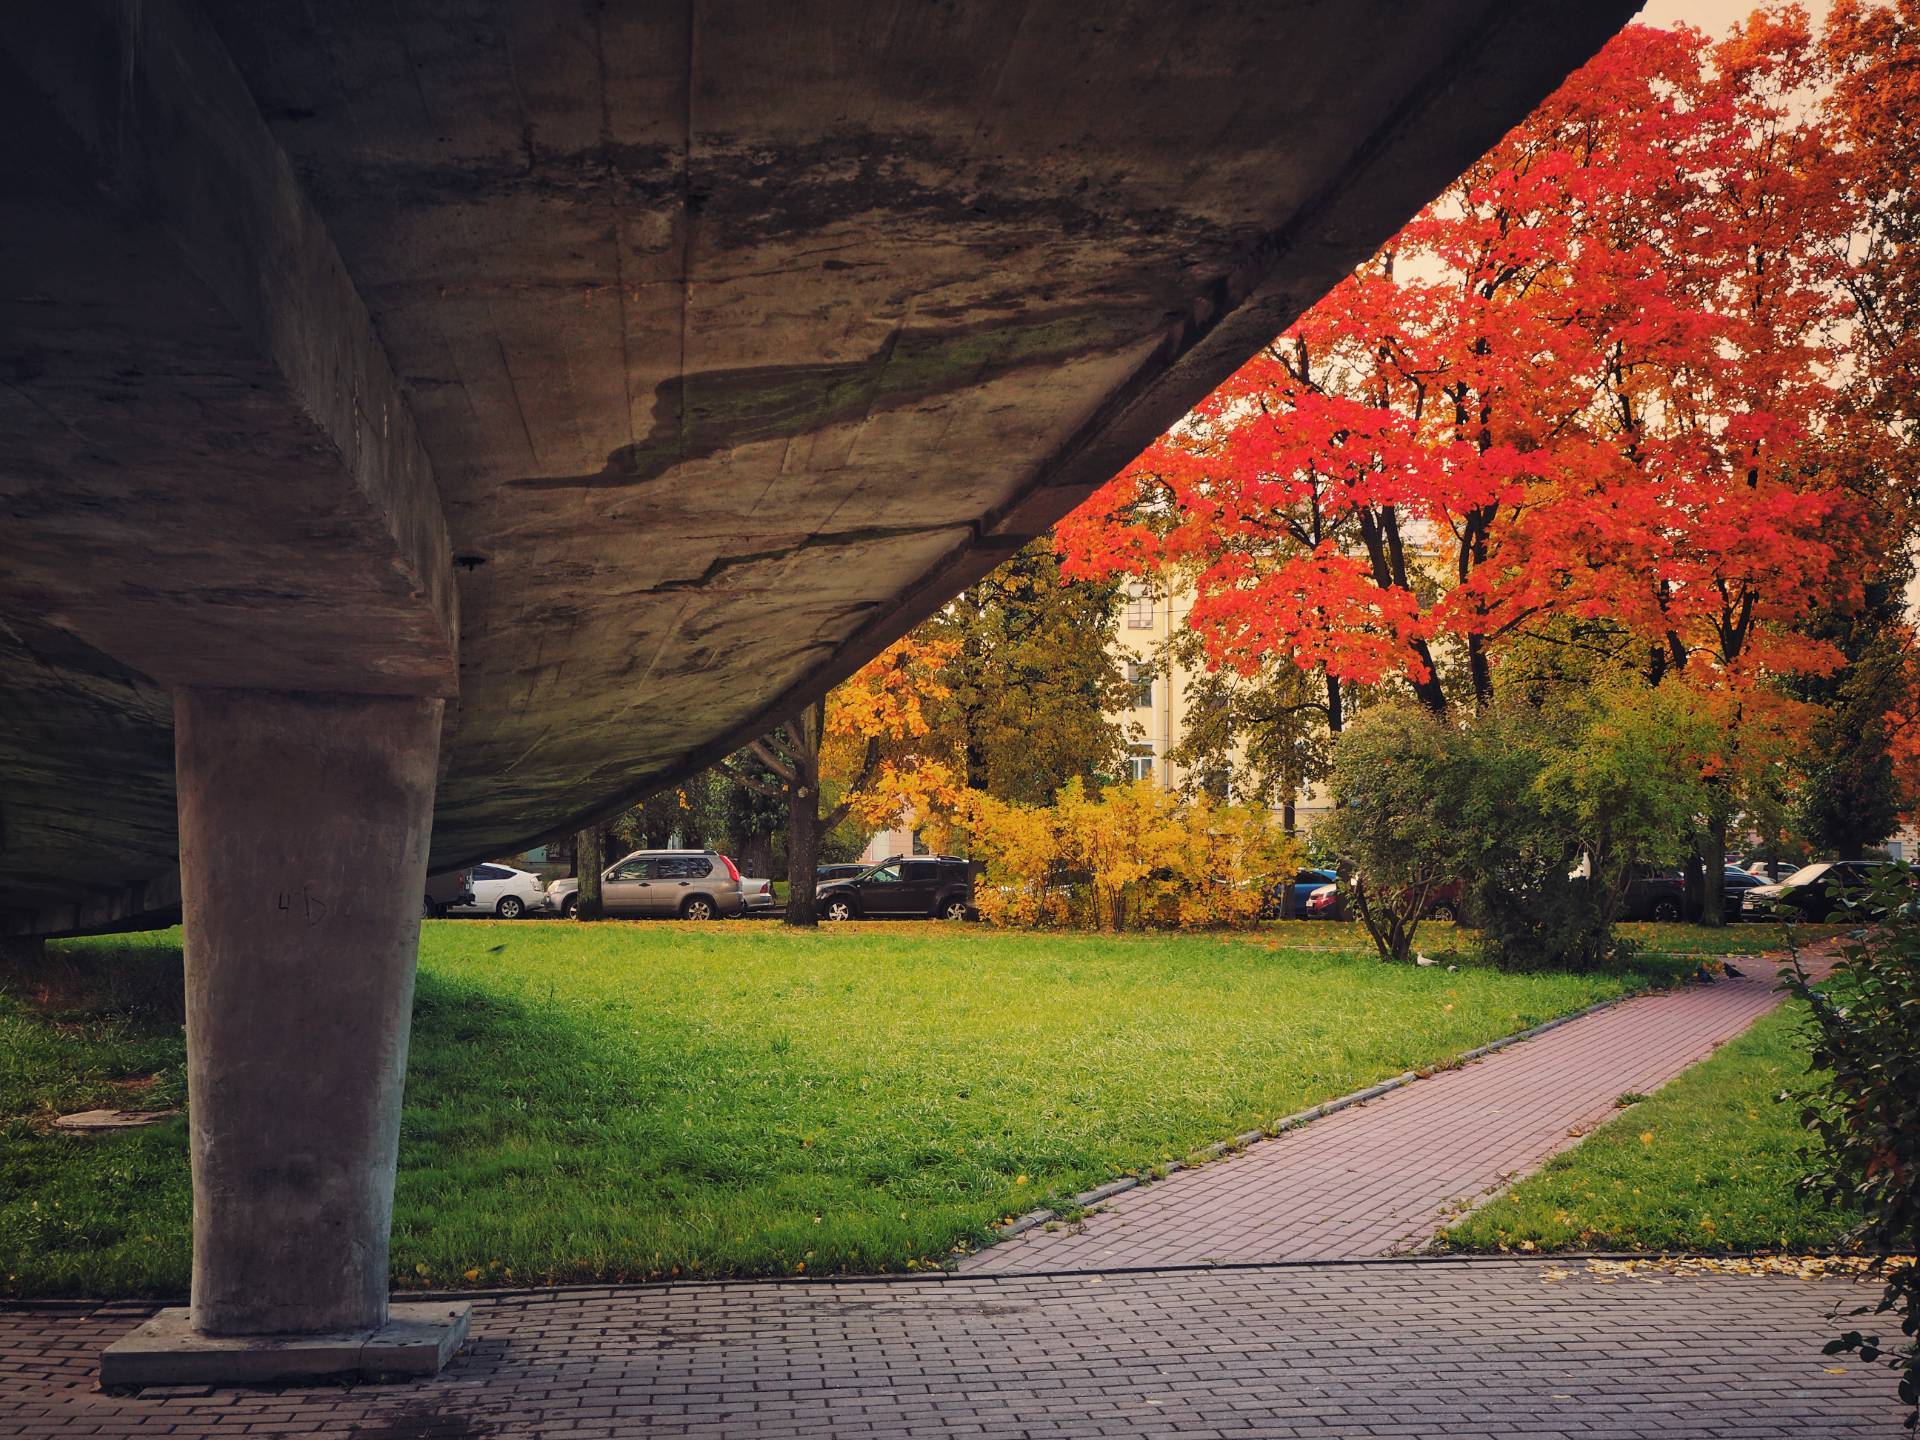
{"points": [[759, 894], [683, 884], [503, 891]]}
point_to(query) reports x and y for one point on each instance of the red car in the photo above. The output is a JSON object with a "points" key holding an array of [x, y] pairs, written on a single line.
{"points": [[1329, 903]]}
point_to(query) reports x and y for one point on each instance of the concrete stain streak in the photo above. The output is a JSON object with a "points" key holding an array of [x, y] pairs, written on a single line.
{"points": [[699, 415], [825, 540], [513, 388]]}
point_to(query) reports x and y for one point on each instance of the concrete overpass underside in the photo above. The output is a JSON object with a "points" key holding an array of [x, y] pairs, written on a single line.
{"points": [[460, 420]]}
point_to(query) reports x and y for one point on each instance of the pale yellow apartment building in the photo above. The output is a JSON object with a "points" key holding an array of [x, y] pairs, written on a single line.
{"points": [[1150, 616]]}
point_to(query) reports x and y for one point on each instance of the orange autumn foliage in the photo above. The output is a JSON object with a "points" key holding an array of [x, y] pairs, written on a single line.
{"points": [[878, 742]]}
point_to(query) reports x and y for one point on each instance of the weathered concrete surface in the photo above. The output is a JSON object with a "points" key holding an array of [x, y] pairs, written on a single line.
{"points": [[417, 1339], [733, 337], [208, 471], [303, 848]]}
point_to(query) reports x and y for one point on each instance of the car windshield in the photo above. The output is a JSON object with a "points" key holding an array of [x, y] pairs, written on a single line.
{"points": [[1807, 874]]}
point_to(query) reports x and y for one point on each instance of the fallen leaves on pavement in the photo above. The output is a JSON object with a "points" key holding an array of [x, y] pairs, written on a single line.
{"points": [[1800, 1267]]}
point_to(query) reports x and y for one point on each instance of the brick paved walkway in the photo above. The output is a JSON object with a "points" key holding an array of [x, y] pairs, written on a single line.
{"points": [[1430, 1350], [1381, 1178]]}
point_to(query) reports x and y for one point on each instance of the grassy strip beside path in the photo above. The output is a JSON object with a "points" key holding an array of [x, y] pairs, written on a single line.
{"points": [[1708, 1162], [1655, 939], [627, 1100]]}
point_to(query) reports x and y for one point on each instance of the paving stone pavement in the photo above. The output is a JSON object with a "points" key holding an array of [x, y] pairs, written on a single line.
{"points": [[1381, 1178], [1432, 1349]]}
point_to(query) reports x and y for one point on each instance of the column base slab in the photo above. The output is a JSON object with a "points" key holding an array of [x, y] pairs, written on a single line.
{"points": [[417, 1340]]}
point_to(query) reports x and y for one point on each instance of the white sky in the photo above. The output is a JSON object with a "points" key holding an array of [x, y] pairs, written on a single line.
{"points": [[1716, 17]]}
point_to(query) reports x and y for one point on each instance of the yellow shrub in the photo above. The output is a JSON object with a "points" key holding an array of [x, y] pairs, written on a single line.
{"points": [[1022, 847], [1126, 856]]}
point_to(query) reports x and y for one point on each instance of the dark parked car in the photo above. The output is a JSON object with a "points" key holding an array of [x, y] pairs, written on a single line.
{"points": [[1303, 884], [1662, 895], [1655, 895], [444, 892], [905, 887], [1743, 883], [1813, 890]]}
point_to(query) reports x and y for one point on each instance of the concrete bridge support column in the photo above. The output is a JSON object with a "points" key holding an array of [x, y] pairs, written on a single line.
{"points": [[304, 821]]}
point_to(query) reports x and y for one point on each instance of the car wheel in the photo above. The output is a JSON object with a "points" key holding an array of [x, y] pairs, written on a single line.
{"points": [[568, 906], [510, 907], [1443, 911], [1666, 910], [698, 908], [837, 910], [956, 910]]}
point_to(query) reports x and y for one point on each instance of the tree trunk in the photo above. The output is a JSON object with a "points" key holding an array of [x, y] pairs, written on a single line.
{"points": [[1481, 670], [1713, 861], [586, 846], [803, 814], [1428, 691], [803, 852], [756, 854]]}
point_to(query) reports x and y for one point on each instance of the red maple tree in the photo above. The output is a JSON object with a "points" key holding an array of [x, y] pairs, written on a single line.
{"points": [[1589, 381]]}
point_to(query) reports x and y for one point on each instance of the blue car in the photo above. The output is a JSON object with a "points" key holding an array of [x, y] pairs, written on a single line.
{"points": [[1305, 882]]}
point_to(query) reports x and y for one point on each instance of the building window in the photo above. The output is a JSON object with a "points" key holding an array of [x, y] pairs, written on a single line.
{"points": [[1140, 762], [1140, 678], [1139, 608]]}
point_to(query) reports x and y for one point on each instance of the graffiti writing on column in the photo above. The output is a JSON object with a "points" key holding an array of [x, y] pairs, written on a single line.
{"points": [[306, 904]]}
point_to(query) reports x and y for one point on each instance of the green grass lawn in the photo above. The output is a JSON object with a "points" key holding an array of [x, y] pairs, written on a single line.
{"points": [[1708, 1162], [629, 1100]]}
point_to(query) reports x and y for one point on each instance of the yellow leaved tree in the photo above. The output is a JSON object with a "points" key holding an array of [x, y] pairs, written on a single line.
{"points": [[869, 744], [1127, 856]]}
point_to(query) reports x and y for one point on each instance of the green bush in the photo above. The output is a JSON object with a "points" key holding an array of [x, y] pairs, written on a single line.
{"points": [[1519, 844], [1511, 805], [1395, 778], [1866, 1113]]}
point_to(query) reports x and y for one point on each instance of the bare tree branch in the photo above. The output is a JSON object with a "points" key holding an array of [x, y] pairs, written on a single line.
{"points": [[752, 782], [770, 758], [869, 764]]}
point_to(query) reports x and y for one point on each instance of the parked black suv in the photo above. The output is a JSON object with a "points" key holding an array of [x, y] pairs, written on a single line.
{"points": [[1662, 895], [907, 887]]}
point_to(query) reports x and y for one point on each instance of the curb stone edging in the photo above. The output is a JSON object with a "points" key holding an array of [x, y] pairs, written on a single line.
{"points": [[1034, 1219], [138, 1308]]}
